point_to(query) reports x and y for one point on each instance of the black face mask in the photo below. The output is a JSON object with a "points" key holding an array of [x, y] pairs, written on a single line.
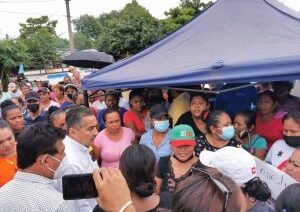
{"points": [[70, 96], [292, 141], [33, 107], [183, 161]]}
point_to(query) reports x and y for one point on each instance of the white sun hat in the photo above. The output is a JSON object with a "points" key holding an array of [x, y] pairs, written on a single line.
{"points": [[233, 162]]}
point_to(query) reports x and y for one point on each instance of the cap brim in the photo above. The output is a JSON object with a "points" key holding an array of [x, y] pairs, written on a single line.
{"points": [[206, 158], [32, 98], [159, 115], [178, 143]]}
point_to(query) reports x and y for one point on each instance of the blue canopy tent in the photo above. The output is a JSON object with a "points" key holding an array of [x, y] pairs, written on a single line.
{"points": [[232, 41]]}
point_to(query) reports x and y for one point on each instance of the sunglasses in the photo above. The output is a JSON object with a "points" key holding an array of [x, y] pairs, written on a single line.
{"points": [[227, 192]]}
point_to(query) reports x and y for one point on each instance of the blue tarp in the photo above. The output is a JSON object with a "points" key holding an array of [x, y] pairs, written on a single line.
{"points": [[232, 41]]}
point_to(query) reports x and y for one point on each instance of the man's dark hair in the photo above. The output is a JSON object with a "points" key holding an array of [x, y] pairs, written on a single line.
{"points": [[55, 113], [289, 199], [76, 114], [188, 191], [36, 140]]}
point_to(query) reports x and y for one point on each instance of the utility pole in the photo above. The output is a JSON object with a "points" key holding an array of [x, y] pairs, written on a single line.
{"points": [[71, 40]]}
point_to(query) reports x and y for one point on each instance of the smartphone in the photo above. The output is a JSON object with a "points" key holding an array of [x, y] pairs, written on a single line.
{"points": [[79, 186]]}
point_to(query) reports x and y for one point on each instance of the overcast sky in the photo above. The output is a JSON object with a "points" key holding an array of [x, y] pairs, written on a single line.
{"points": [[13, 12]]}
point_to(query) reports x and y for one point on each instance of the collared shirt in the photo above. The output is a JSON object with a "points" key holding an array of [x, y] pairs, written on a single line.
{"points": [[79, 158], [29, 120], [164, 148], [30, 192]]}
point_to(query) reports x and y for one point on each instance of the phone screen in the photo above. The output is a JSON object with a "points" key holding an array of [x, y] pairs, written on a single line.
{"points": [[79, 186]]}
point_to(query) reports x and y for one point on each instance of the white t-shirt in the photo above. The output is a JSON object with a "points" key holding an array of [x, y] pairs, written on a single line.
{"points": [[279, 154], [124, 103], [99, 105], [52, 103]]}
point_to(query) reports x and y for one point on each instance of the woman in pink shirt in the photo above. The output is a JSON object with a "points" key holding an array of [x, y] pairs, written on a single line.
{"points": [[113, 140]]}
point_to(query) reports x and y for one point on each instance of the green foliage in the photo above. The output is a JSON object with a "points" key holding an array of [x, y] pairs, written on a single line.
{"points": [[12, 53], [82, 41], [42, 46], [33, 25], [195, 4], [177, 17], [180, 15], [128, 31], [87, 25], [39, 37], [62, 44]]}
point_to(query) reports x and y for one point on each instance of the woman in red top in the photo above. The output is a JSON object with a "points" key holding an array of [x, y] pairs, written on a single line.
{"points": [[134, 118], [8, 159], [268, 123]]}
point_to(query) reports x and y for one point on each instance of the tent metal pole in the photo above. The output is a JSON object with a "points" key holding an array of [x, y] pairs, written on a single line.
{"points": [[237, 88], [192, 90], [86, 98]]}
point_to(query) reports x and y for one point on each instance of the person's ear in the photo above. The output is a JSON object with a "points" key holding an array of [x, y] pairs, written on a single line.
{"points": [[42, 160], [251, 128], [72, 131], [213, 129]]}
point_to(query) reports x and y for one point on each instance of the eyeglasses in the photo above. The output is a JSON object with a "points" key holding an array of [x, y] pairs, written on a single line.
{"points": [[227, 192]]}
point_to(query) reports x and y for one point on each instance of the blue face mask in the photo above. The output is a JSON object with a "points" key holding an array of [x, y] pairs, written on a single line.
{"points": [[227, 133], [161, 126]]}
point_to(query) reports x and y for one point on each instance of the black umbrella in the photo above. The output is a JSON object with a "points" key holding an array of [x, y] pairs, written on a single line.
{"points": [[89, 58]]}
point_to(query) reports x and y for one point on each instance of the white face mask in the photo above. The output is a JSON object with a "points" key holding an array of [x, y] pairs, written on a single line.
{"points": [[62, 168]]}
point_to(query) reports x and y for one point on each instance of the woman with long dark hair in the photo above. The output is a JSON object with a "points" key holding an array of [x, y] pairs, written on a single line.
{"points": [[138, 166], [220, 133]]}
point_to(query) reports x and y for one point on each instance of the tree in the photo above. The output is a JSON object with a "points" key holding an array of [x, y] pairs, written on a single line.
{"points": [[33, 25], [128, 31], [82, 41], [38, 34], [87, 25], [180, 15], [12, 53], [195, 4]]}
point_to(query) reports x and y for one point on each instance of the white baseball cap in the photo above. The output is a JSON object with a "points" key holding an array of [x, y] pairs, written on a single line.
{"points": [[233, 162]]}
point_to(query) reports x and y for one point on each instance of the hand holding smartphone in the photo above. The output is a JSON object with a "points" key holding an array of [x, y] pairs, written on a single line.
{"points": [[79, 186]]}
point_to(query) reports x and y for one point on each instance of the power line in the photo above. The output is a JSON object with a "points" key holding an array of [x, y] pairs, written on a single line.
{"points": [[33, 1], [25, 13]]}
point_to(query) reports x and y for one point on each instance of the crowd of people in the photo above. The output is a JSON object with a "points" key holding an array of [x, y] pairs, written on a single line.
{"points": [[157, 151]]}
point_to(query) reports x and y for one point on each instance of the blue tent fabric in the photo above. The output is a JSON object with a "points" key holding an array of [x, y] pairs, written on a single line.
{"points": [[232, 41]]}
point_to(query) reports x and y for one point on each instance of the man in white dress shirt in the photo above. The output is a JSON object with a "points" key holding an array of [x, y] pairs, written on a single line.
{"points": [[81, 130], [40, 158]]}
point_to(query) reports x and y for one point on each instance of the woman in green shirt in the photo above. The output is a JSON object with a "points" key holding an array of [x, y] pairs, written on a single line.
{"points": [[244, 123]]}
